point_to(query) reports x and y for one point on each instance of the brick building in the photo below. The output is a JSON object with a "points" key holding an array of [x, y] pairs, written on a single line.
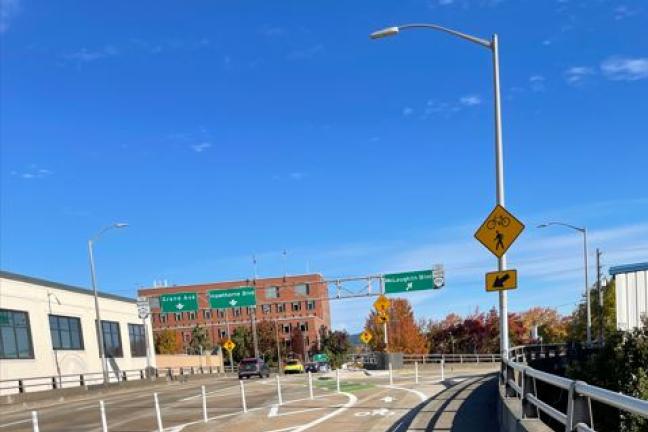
{"points": [[291, 302]]}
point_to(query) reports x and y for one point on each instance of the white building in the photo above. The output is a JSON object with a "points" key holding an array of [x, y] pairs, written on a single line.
{"points": [[47, 329], [631, 283]]}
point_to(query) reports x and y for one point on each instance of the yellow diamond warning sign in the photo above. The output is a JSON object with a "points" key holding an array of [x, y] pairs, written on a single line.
{"points": [[366, 337], [499, 231], [229, 345], [380, 319], [501, 280], [382, 304]]}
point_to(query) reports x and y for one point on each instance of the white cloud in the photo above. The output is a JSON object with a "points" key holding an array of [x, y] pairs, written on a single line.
{"points": [[623, 11], [445, 2], [297, 175], [306, 53], [33, 172], [201, 147], [546, 42], [470, 100], [537, 83], [625, 68], [575, 75], [8, 10], [85, 55], [407, 111]]}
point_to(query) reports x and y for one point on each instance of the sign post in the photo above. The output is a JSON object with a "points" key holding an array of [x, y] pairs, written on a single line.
{"points": [[144, 310]]}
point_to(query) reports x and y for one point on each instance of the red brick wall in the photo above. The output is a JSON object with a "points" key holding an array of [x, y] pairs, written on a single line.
{"points": [[268, 308]]}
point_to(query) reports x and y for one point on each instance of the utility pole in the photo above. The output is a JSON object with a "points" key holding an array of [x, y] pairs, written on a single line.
{"points": [[255, 340], [600, 293], [278, 346], [229, 337]]}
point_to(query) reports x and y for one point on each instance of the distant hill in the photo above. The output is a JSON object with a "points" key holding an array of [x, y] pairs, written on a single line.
{"points": [[355, 339]]}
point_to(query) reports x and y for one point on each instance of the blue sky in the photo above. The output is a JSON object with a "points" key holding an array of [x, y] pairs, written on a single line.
{"points": [[222, 129]]}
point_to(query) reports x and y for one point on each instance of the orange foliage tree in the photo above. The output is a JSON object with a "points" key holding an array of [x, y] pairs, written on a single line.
{"points": [[404, 333]]}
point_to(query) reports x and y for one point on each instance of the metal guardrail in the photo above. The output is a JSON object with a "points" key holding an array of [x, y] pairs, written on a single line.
{"points": [[520, 381], [451, 358], [45, 383]]}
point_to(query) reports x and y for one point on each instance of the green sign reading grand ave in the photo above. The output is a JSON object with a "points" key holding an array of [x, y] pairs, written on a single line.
{"points": [[414, 281], [179, 302], [232, 298]]}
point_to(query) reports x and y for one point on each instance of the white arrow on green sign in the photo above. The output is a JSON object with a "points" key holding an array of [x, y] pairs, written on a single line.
{"points": [[232, 298], [179, 302], [412, 281]]}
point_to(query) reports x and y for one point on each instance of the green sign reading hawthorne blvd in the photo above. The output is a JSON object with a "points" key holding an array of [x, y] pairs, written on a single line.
{"points": [[232, 298], [179, 302], [413, 281]]}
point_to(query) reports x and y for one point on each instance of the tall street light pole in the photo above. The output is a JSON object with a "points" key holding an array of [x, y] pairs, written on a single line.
{"points": [[583, 231], [493, 46], [102, 353]]}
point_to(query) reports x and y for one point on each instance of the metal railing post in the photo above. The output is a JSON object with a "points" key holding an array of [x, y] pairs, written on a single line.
{"points": [[529, 387], [510, 375], [579, 409], [54, 384], [21, 386]]}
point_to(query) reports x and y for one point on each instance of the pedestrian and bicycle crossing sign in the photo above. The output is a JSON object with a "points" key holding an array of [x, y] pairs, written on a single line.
{"points": [[499, 231], [229, 345], [501, 280]]}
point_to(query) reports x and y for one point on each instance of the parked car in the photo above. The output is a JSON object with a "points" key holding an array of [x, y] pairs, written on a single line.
{"points": [[312, 367], [293, 366], [323, 367], [249, 367]]}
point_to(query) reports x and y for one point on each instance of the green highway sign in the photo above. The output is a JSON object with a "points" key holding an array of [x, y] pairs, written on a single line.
{"points": [[414, 281], [232, 298], [321, 357], [179, 302]]}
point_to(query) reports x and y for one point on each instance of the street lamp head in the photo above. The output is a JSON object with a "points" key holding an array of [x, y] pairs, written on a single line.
{"points": [[542, 226], [389, 31], [120, 225]]}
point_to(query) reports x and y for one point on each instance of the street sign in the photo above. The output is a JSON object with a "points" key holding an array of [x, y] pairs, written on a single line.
{"points": [[501, 280], [380, 319], [382, 304], [232, 298], [229, 345], [321, 357], [179, 302], [414, 281], [499, 231], [143, 307], [365, 337]]}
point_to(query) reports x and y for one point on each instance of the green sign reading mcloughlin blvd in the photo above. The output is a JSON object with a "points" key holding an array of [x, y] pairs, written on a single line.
{"points": [[232, 298], [410, 281]]}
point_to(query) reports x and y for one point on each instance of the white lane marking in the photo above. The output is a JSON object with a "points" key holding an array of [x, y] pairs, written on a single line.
{"points": [[383, 412], [14, 423], [352, 401], [274, 410], [416, 392], [388, 399]]}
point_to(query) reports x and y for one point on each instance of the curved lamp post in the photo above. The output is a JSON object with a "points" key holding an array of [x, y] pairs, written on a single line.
{"points": [[102, 353], [587, 288], [493, 46]]}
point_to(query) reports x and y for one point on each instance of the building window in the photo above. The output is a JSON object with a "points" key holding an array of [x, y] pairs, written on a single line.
{"points": [[15, 335], [286, 328], [192, 316], [186, 336], [237, 311], [272, 292], [304, 326], [310, 304], [207, 314], [302, 289], [178, 316], [266, 309], [222, 333], [296, 306], [112, 339], [163, 318], [137, 340], [281, 307], [65, 332]]}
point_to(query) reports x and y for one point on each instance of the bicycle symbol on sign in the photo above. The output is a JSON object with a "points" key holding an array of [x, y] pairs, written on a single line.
{"points": [[498, 220]]}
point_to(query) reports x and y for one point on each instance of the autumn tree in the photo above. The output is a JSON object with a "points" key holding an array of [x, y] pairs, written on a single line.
{"points": [[404, 333], [199, 341], [242, 337], [266, 335], [166, 342]]}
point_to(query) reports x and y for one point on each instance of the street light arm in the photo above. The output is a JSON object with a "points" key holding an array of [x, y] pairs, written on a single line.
{"points": [[563, 224], [393, 30], [107, 228]]}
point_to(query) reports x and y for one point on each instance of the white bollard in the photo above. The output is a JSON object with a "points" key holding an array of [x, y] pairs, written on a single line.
{"points": [[310, 385], [102, 410], [243, 402], [391, 375], [442, 371], [279, 390], [204, 400], [337, 379], [158, 415], [35, 421], [416, 378]]}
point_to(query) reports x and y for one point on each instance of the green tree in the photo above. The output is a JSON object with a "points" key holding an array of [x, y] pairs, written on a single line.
{"points": [[578, 328], [199, 341], [266, 333], [166, 342], [242, 337], [335, 344]]}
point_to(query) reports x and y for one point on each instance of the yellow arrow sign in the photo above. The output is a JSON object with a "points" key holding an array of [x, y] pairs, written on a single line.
{"points": [[501, 280], [499, 231], [382, 304], [365, 337], [229, 345]]}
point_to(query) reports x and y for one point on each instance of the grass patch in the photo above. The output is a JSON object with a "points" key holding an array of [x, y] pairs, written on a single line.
{"points": [[345, 386]]}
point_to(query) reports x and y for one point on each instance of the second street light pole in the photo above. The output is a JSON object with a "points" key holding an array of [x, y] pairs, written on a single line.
{"points": [[493, 46]]}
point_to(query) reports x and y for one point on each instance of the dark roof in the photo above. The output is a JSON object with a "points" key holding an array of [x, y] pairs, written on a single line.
{"points": [[628, 268], [43, 282]]}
